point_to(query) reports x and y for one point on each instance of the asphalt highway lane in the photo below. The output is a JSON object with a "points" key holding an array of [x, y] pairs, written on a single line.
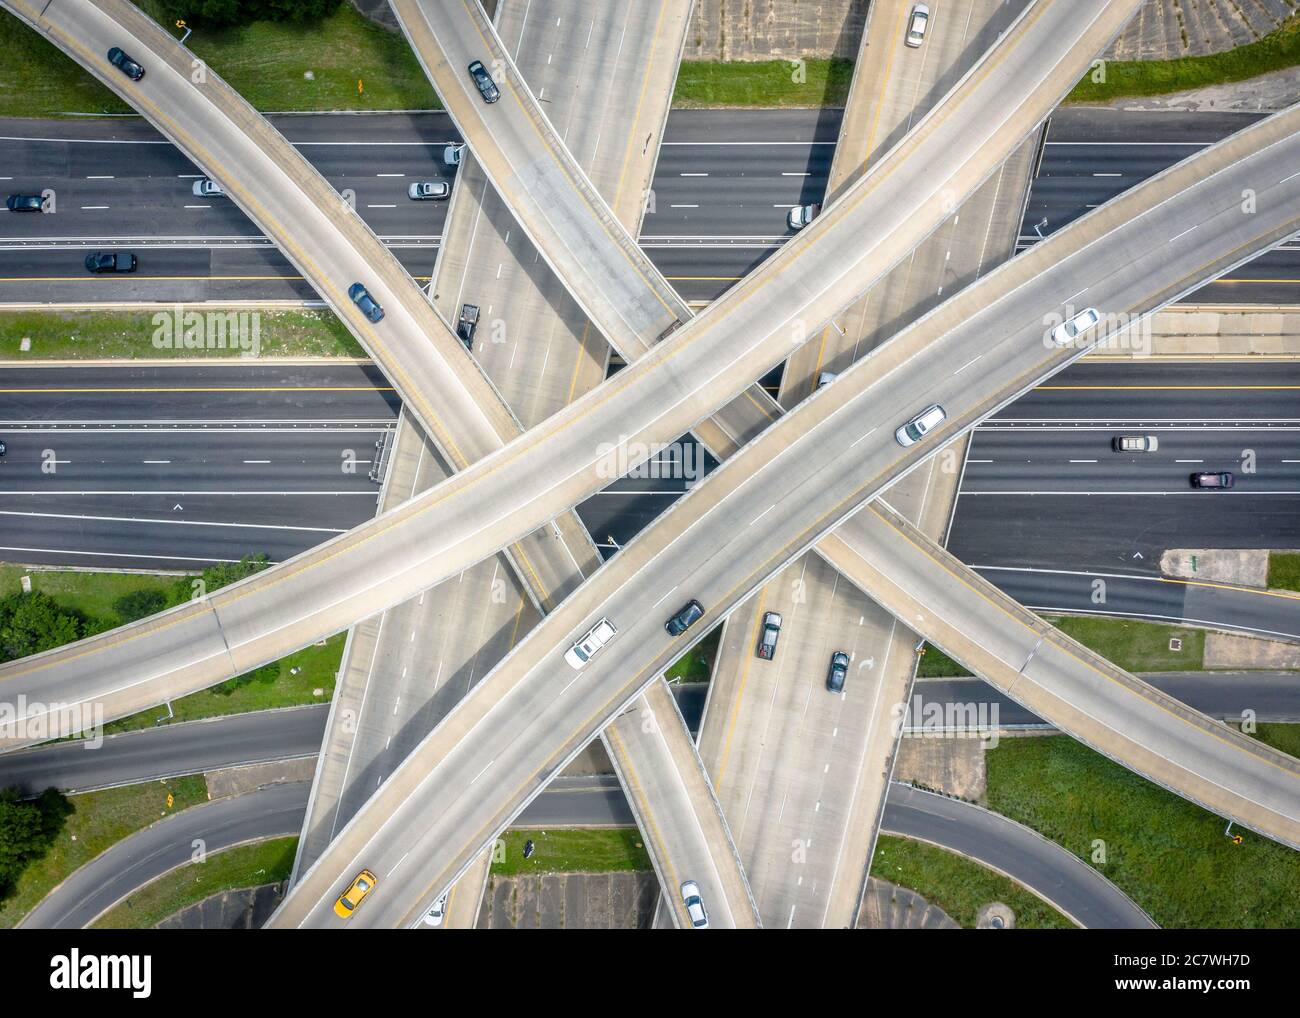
{"points": [[723, 184]]}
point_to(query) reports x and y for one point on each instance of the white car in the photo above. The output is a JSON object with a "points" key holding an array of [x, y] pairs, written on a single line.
{"points": [[695, 905], [801, 215], [583, 651], [451, 154], [825, 379], [920, 425], [207, 188], [437, 914], [1067, 332], [916, 25]]}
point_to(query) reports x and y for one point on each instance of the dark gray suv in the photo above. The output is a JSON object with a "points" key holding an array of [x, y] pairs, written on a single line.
{"points": [[690, 614]]}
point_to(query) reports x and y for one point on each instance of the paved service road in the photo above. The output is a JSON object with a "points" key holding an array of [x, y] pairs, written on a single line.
{"points": [[1061, 878], [271, 811]]}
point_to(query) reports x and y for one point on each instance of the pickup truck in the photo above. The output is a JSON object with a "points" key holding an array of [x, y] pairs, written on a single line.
{"points": [[767, 637], [596, 637]]}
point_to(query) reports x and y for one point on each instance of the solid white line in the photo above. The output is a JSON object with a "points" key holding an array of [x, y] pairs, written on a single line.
{"points": [[115, 554], [182, 523]]}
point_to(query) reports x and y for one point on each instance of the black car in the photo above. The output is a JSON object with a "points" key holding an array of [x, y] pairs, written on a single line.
{"points": [[125, 64], [487, 88], [362, 299], [24, 203], [839, 671], [110, 261], [466, 324], [690, 614], [1213, 479]]}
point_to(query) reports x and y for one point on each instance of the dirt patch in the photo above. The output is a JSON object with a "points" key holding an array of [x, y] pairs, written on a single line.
{"points": [[1229, 650]]}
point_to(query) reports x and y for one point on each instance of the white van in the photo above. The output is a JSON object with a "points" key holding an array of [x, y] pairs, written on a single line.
{"points": [[583, 651], [921, 425]]}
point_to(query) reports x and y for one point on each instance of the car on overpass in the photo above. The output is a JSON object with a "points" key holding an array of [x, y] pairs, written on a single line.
{"points": [[436, 915], [125, 64], [917, 25], [1220, 479], [368, 305], [592, 641], [110, 261], [838, 673], [362, 884], [24, 203], [691, 612], [487, 88], [1070, 330], [695, 909], [429, 190], [921, 425], [768, 635]]}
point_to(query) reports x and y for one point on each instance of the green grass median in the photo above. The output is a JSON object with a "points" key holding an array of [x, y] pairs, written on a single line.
{"points": [[1276, 51], [571, 850], [130, 335], [1168, 855]]}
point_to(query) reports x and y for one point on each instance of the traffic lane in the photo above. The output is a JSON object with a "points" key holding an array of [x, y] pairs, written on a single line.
{"points": [[246, 392], [172, 532], [1149, 597], [169, 461], [1058, 876], [167, 751], [1081, 459], [1129, 392], [235, 740], [1116, 532], [269, 812], [1272, 697]]}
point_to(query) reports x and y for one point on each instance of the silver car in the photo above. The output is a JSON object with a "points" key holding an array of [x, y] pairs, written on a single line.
{"points": [[451, 154], [429, 190], [917, 24], [920, 425], [801, 215]]}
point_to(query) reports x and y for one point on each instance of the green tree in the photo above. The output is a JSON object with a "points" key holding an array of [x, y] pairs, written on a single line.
{"points": [[27, 830], [139, 604], [33, 622]]}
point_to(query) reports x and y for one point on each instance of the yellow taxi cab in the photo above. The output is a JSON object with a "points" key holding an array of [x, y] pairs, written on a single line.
{"points": [[349, 900]]}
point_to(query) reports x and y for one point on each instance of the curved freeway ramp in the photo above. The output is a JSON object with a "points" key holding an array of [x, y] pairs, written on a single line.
{"points": [[273, 811], [1060, 878]]}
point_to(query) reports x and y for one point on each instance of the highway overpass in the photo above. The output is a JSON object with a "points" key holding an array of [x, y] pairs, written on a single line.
{"points": [[813, 485]]}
